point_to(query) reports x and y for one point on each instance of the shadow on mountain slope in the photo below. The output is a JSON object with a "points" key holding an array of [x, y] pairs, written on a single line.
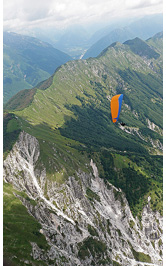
{"points": [[95, 129]]}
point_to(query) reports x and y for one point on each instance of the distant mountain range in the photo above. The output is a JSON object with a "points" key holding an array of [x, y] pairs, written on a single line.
{"points": [[75, 40], [27, 61], [143, 28]]}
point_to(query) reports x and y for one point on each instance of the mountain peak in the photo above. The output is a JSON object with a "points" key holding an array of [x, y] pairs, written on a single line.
{"points": [[113, 45], [141, 48]]}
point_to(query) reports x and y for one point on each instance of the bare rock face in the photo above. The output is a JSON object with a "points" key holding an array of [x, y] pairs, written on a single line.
{"points": [[86, 221]]}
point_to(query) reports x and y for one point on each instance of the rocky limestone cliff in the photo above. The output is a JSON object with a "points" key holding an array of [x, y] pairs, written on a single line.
{"points": [[86, 221]]}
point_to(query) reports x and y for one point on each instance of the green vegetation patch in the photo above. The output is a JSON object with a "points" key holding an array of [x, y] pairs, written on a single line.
{"points": [[91, 246], [11, 131], [132, 223], [115, 263], [92, 195], [139, 256], [13, 125], [20, 229], [92, 230]]}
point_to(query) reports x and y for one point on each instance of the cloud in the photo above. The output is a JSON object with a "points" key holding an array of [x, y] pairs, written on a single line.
{"points": [[143, 3], [59, 13]]}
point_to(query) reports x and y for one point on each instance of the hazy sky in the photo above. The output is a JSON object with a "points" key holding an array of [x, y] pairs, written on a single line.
{"points": [[21, 14]]}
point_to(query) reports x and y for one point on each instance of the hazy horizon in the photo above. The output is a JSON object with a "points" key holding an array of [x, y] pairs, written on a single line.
{"points": [[26, 16]]}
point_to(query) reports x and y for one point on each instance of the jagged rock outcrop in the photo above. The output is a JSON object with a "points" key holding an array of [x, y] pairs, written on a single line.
{"points": [[85, 220]]}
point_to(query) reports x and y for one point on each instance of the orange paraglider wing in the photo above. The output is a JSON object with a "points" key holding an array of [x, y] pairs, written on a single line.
{"points": [[115, 105]]}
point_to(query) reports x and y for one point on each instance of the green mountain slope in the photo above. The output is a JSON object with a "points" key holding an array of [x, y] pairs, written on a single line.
{"points": [[81, 90], [156, 41], [27, 61], [20, 228], [76, 105], [141, 48], [69, 114]]}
